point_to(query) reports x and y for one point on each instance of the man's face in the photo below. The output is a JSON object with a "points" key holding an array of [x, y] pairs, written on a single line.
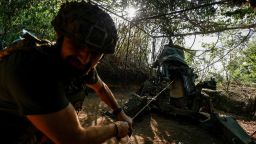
{"points": [[79, 60]]}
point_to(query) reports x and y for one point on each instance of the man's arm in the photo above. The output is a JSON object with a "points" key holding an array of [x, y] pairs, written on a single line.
{"points": [[63, 127], [103, 91]]}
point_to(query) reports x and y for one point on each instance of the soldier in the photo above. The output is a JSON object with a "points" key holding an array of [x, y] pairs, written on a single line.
{"points": [[172, 65], [34, 74]]}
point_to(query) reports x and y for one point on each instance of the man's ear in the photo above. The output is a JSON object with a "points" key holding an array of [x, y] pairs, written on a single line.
{"points": [[58, 34]]}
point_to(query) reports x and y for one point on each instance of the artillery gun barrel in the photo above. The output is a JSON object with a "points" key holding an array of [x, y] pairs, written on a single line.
{"points": [[152, 100]]}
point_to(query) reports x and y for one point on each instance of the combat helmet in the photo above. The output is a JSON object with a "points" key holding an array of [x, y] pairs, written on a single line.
{"points": [[87, 25]]}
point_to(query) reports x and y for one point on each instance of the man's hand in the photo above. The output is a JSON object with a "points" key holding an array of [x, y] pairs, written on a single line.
{"points": [[122, 129], [103, 91], [121, 116]]}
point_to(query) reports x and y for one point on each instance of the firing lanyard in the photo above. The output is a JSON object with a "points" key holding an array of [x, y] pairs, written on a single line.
{"points": [[154, 98]]}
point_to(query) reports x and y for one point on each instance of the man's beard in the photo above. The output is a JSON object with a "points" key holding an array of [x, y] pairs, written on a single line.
{"points": [[72, 71]]}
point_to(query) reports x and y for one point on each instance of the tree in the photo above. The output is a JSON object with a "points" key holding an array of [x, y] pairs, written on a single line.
{"points": [[34, 16], [155, 19], [245, 72]]}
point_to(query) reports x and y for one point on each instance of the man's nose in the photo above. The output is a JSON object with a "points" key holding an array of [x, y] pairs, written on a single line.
{"points": [[84, 57]]}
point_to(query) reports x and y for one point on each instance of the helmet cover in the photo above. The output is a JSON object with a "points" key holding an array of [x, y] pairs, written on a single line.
{"points": [[87, 25]]}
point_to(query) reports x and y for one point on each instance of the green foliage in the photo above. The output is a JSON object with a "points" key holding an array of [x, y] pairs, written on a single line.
{"points": [[38, 19], [30, 15], [240, 13], [243, 68], [175, 19], [189, 57], [132, 49], [9, 10]]}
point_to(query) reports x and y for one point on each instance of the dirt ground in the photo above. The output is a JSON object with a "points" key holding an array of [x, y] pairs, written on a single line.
{"points": [[152, 128]]}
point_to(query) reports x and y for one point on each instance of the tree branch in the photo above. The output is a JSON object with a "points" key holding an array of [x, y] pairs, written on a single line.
{"points": [[181, 11], [212, 63], [131, 22], [209, 32]]}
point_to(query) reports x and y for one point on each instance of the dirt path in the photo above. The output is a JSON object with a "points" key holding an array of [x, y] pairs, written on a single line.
{"points": [[152, 128]]}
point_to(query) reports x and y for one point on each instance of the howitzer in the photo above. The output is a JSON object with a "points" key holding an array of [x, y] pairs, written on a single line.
{"points": [[138, 104], [144, 103], [224, 126]]}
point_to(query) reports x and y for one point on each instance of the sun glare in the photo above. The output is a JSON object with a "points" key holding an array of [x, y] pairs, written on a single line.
{"points": [[131, 12]]}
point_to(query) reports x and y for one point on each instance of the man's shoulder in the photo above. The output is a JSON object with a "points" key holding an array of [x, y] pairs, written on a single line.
{"points": [[27, 43], [29, 40], [31, 46], [35, 58]]}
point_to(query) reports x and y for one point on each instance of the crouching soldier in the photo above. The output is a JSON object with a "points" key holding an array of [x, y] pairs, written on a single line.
{"points": [[34, 76]]}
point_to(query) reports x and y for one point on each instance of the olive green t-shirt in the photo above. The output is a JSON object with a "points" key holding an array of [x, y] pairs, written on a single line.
{"points": [[31, 82]]}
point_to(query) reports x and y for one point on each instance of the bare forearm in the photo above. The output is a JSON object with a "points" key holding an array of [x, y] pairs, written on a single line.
{"points": [[107, 96], [63, 127], [98, 134], [103, 91]]}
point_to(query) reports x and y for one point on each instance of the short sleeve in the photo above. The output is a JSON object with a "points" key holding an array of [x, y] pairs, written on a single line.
{"points": [[36, 85], [91, 78]]}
